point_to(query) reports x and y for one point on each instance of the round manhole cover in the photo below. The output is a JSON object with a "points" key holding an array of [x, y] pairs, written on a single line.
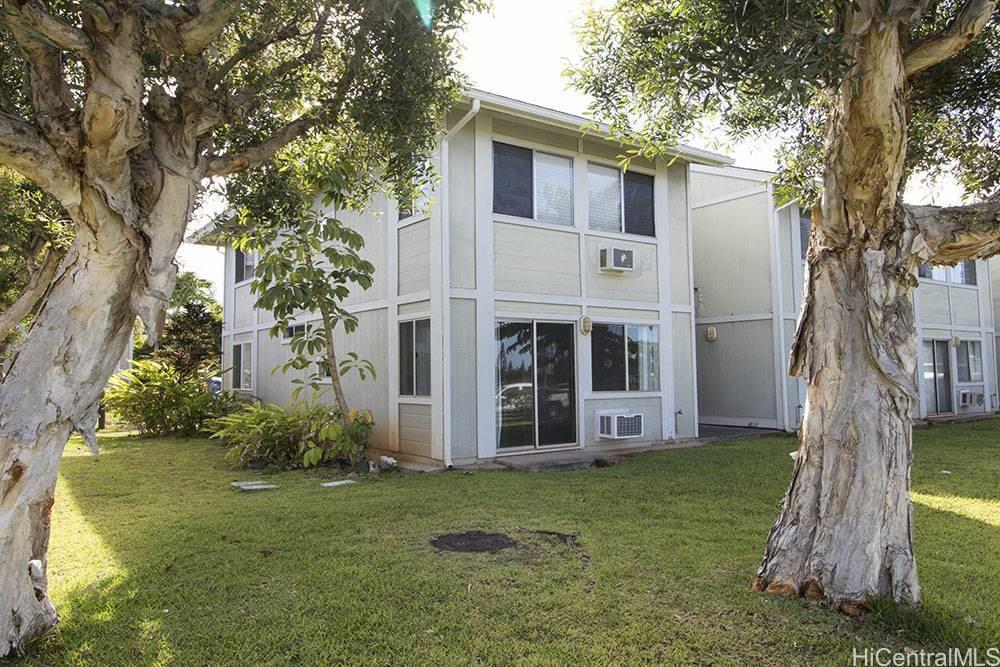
{"points": [[475, 541]]}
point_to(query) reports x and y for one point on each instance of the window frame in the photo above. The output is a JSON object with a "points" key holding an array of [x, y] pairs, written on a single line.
{"points": [[949, 276], [413, 349], [966, 343], [236, 257], [626, 390], [621, 199], [552, 152], [291, 328], [253, 371]]}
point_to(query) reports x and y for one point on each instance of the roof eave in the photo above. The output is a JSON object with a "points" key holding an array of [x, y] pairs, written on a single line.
{"points": [[583, 125]]}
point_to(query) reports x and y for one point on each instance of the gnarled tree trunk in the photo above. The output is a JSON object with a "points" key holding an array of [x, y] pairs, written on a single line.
{"points": [[60, 372], [844, 532]]}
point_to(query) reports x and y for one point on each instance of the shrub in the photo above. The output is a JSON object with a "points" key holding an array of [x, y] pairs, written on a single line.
{"points": [[159, 400], [304, 434]]}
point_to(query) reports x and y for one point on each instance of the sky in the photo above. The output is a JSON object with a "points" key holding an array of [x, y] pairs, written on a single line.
{"points": [[520, 49]]}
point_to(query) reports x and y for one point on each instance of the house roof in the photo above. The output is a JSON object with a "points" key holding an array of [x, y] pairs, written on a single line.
{"points": [[581, 124]]}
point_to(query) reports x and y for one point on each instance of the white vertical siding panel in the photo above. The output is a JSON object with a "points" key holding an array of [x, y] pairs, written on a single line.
{"points": [[677, 227], [415, 258]]}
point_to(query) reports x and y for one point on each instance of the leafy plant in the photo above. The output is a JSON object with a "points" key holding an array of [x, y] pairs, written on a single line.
{"points": [[302, 435], [310, 265], [158, 399]]}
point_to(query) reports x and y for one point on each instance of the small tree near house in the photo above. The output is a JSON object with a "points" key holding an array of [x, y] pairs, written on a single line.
{"points": [[309, 262], [866, 94]]}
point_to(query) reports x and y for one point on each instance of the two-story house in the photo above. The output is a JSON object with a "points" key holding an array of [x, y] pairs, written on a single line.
{"points": [[749, 260], [539, 299]]}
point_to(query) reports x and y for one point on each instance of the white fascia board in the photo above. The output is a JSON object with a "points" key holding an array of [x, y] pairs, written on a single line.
{"points": [[576, 123]]}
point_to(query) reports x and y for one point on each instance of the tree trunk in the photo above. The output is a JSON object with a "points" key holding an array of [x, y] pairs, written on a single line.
{"points": [[844, 531], [331, 360], [54, 385]]}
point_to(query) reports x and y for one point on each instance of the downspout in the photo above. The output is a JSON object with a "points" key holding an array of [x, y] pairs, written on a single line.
{"points": [[446, 278]]}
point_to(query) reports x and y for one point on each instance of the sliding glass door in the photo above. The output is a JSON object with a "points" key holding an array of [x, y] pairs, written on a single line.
{"points": [[536, 384], [937, 377]]}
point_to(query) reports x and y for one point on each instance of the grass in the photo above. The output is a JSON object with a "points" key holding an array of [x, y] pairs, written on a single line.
{"points": [[155, 560]]}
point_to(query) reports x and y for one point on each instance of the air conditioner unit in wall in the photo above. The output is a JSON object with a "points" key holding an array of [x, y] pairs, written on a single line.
{"points": [[617, 260], [971, 399], [613, 425]]}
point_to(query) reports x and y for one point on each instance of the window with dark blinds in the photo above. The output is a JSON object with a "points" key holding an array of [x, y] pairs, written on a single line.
{"points": [[512, 180], [240, 265], [639, 204]]}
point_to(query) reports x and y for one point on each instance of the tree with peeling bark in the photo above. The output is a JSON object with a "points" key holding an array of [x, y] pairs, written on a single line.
{"points": [[120, 110], [865, 94]]}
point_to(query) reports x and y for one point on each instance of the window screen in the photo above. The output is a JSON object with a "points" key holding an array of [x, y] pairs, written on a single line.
{"points": [[970, 361], [512, 180], [639, 204], [604, 190], [554, 186], [237, 366], [643, 358], [805, 229], [415, 358], [422, 357], [964, 273]]}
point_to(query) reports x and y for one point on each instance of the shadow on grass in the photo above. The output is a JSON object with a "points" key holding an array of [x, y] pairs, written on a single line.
{"points": [[666, 546]]}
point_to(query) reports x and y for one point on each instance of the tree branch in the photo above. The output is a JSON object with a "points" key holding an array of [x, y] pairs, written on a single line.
{"points": [[957, 233], [224, 165], [32, 17], [210, 18], [968, 23], [38, 284], [23, 149]]}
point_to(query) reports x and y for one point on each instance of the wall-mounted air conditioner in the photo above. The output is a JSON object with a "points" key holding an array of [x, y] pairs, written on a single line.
{"points": [[615, 425], [971, 399], [617, 260]]}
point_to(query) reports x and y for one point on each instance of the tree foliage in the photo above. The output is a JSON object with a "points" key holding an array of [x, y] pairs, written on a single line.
{"points": [[662, 70]]}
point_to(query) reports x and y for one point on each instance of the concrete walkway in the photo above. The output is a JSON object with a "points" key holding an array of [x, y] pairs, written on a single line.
{"points": [[575, 459]]}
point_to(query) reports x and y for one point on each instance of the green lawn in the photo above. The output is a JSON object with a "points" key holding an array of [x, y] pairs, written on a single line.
{"points": [[155, 560]]}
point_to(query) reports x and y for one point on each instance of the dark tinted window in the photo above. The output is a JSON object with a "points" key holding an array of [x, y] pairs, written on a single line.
{"points": [[639, 204], [406, 358], [512, 180], [240, 265], [607, 357], [805, 229], [237, 366]]}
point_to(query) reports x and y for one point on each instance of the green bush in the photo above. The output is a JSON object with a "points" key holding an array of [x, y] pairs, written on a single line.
{"points": [[159, 400], [302, 435]]}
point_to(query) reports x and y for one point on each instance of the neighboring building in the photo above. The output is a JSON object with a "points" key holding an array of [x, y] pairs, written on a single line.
{"points": [[537, 289], [749, 260]]}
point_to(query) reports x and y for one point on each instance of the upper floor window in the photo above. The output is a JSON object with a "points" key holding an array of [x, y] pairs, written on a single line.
{"points": [[625, 357], [964, 273], [417, 205], [246, 262], [532, 184], [805, 229], [415, 358], [620, 202]]}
